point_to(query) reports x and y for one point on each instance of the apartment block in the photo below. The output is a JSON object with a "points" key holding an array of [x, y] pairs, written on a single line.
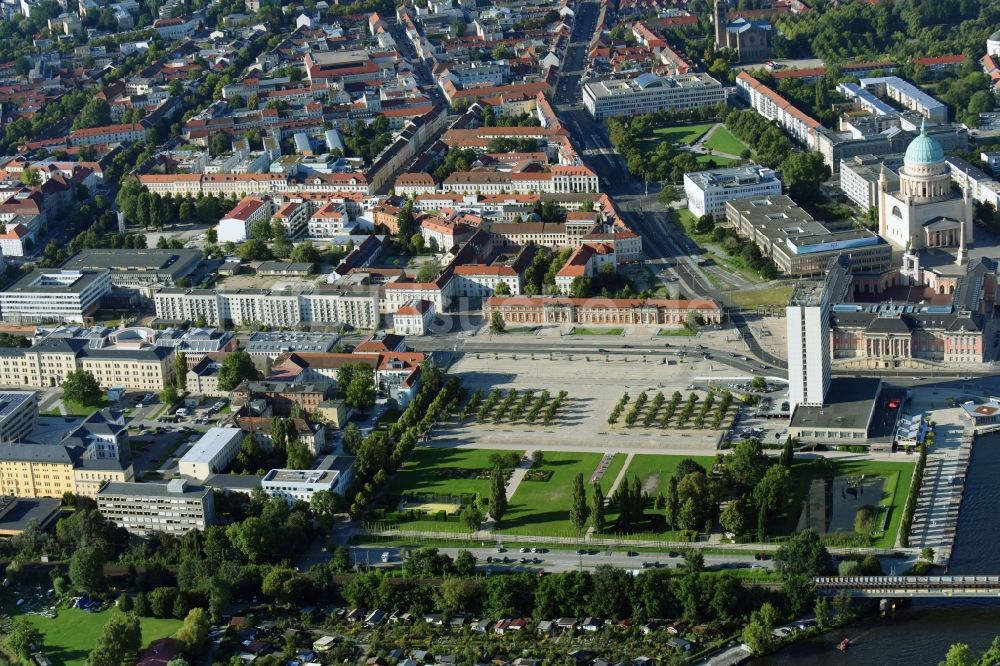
{"points": [[358, 308], [773, 106], [175, 507]]}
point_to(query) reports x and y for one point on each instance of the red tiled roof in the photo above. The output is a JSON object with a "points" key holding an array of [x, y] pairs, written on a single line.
{"points": [[539, 301], [941, 60], [245, 209]]}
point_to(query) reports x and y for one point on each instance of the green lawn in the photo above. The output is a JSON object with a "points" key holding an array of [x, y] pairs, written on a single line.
{"points": [[520, 330], [676, 331], [687, 220], [897, 475], [723, 141], [70, 636], [611, 473], [769, 296], [76, 409], [419, 475], [686, 134], [578, 330], [542, 507], [655, 470], [719, 160]]}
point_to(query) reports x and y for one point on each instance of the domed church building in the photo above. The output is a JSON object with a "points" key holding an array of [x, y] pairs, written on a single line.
{"points": [[924, 212]]}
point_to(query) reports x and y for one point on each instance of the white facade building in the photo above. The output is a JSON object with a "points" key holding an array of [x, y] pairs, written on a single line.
{"points": [[212, 453], [328, 221], [708, 191], [54, 296], [293, 485], [993, 45], [648, 93], [275, 308], [414, 318], [807, 319], [235, 226]]}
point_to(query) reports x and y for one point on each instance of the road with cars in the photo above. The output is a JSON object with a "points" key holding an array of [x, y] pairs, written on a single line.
{"points": [[571, 70], [490, 559]]}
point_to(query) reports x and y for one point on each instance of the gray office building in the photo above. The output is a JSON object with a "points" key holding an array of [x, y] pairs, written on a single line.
{"points": [[175, 507]]}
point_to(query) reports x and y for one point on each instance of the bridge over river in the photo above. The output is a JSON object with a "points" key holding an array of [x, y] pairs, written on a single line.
{"points": [[913, 587]]}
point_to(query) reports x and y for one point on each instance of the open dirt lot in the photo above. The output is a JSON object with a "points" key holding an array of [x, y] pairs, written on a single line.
{"points": [[593, 389]]}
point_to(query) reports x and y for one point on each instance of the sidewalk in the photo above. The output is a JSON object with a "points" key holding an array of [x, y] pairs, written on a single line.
{"points": [[935, 520], [512, 484]]}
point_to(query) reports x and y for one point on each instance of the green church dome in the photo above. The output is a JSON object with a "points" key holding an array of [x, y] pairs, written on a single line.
{"points": [[923, 150]]}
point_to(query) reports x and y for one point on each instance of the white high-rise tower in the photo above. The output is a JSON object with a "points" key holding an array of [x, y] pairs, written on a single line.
{"points": [[807, 317]]}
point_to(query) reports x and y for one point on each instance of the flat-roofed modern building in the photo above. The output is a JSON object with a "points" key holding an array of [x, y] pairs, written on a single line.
{"points": [[844, 417], [175, 507], [212, 453], [708, 192], [139, 268], [648, 93], [902, 92], [293, 485], [859, 177], [18, 415], [54, 296], [799, 245], [272, 344]]}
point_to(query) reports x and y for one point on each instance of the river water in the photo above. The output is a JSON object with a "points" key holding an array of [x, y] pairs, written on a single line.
{"points": [[919, 634]]}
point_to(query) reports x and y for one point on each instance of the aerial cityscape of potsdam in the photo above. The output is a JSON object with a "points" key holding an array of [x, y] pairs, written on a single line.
{"points": [[493, 333]]}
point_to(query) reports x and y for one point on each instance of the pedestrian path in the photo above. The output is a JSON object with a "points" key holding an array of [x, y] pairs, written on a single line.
{"points": [[935, 520], [602, 467], [621, 475], [517, 476]]}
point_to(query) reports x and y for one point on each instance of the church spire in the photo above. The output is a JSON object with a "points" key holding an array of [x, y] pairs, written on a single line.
{"points": [[960, 259]]}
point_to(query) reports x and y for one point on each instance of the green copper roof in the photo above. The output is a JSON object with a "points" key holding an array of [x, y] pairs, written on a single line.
{"points": [[923, 150]]}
